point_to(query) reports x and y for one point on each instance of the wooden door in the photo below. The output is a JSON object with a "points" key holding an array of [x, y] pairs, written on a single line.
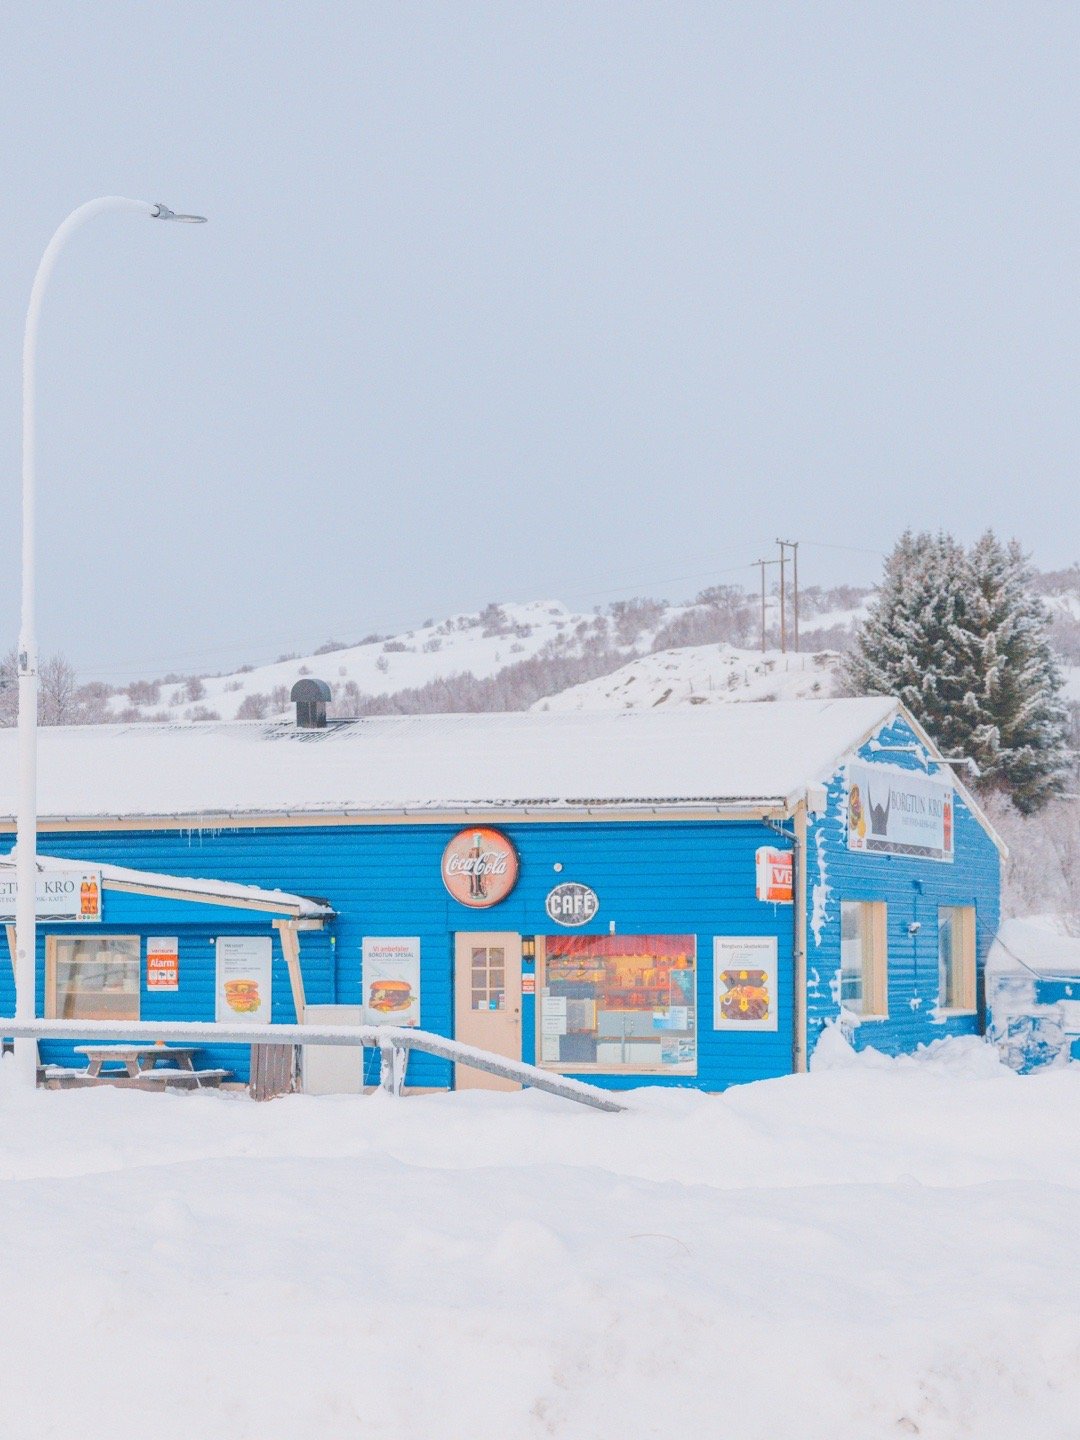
{"points": [[487, 1002]]}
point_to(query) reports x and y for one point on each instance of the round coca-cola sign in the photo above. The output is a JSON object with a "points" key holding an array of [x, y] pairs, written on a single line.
{"points": [[479, 867]]}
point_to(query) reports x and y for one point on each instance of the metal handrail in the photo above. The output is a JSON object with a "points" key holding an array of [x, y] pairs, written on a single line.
{"points": [[392, 1042]]}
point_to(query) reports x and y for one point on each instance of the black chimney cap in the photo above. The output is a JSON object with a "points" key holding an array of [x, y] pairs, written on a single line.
{"points": [[308, 689]]}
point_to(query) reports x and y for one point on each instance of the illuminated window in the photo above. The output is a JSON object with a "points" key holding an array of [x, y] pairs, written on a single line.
{"points": [[623, 1003], [864, 960], [956, 958], [92, 977]]}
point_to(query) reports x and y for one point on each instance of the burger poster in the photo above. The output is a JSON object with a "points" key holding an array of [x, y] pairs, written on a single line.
{"points": [[391, 976], [244, 971]]}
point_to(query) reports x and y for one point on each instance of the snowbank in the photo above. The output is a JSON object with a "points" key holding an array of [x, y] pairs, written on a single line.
{"points": [[1033, 992], [868, 1251]]}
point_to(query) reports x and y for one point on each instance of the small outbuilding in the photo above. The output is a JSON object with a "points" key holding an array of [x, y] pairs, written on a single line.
{"points": [[630, 898]]}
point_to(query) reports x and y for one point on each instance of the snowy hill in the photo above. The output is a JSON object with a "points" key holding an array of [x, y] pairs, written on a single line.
{"points": [[507, 656], [703, 675], [480, 643]]}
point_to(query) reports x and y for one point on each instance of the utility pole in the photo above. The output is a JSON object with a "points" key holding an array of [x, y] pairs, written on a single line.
{"points": [[793, 546], [763, 564], [783, 586]]}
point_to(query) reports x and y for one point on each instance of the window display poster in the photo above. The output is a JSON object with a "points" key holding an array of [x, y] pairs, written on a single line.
{"points": [[162, 962], [619, 1002], [744, 982], [244, 975], [391, 976]]}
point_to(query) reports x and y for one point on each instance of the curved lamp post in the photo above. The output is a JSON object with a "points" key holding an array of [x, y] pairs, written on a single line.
{"points": [[26, 833]]}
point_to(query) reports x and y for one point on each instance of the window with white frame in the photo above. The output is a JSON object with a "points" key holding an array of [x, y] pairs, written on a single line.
{"points": [[956, 958], [864, 960]]}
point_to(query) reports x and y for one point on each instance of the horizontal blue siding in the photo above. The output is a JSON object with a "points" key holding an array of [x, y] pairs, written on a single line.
{"points": [[692, 877], [972, 878]]}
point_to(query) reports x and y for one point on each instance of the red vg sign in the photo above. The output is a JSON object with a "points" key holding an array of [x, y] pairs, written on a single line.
{"points": [[479, 867]]}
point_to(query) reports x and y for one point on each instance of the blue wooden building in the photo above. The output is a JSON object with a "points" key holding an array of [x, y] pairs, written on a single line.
{"points": [[629, 898]]}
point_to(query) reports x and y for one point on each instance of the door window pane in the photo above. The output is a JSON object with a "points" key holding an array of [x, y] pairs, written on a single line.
{"points": [[488, 977], [96, 978], [619, 1002]]}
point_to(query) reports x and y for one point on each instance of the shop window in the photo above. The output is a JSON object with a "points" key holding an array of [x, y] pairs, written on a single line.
{"points": [[618, 1003], [864, 961], [92, 977], [956, 958]]}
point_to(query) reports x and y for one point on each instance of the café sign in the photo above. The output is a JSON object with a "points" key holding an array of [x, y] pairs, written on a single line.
{"points": [[891, 811], [479, 867], [63, 895], [571, 904]]}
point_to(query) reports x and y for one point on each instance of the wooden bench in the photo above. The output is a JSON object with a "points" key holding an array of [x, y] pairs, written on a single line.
{"points": [[178, 1079], [145, 1067], [136, 1060]]}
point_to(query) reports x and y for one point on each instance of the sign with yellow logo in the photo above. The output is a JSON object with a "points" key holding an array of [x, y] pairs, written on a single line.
{"points": [[744, 982]]}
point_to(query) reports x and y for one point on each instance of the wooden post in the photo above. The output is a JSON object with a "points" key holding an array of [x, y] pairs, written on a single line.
{"points": [[783, 578], [290, 948], [795, 587], [762, 564]]}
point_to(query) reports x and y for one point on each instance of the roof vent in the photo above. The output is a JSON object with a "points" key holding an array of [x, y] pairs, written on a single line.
{"points": [[311, 698]]}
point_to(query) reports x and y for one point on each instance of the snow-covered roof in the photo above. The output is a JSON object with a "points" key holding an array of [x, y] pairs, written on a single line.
{"points": [[698, 757], [1036, 944], [120, 877]]}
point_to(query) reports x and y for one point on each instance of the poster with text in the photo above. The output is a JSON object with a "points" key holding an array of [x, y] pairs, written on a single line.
{"points": [[744, 982], [244, 971], [162, 962], [899, 812], [391, 976]]}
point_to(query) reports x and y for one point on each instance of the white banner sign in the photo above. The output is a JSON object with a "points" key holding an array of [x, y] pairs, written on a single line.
{"points": [[244, 977], [744, 982], [73, 895], [391, 970], [900, 812]]}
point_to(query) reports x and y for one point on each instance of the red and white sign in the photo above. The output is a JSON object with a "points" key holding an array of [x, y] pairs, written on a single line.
{"points": [[479, 867], [774, 875], [162, 962]]}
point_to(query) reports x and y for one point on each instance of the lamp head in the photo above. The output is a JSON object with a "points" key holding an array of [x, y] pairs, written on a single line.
{"points": [[162, 212]]}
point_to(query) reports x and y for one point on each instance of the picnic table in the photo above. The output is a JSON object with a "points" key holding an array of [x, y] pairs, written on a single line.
{"points": [[143, 1063]]}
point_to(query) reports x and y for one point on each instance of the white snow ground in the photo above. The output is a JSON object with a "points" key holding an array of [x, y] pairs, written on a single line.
{"points": [[881, 1249]]}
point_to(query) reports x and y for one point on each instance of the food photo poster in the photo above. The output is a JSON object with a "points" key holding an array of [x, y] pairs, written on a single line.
{"points": [[391, 971]]}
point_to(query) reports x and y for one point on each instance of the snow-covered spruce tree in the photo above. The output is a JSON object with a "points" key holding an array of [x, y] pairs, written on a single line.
{"points": [[962, 639], [915, 644], [1021, 742]]}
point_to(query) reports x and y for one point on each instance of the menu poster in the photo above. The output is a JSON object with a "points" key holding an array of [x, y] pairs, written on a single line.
{"points": [[244, 974], [162, 962], [744, 982], [391, 968]]}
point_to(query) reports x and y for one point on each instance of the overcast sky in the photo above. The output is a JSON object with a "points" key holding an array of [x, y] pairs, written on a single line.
{"points": [[534, 299]]}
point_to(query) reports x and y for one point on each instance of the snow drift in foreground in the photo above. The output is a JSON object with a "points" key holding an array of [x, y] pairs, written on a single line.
{"points": [[881, 1248]]}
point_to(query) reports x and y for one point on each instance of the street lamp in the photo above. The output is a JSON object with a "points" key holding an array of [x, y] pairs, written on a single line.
{"points": [[26, 827]]}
